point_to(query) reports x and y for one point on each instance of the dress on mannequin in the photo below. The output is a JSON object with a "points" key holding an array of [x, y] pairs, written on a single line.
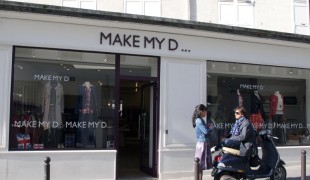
{"points": [[52, 107], [240, 98], [276, 113], [257, 113], [87, 105]]}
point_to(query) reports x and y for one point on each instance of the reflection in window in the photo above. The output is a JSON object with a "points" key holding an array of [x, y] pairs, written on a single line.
{"points": [[62, 100]]}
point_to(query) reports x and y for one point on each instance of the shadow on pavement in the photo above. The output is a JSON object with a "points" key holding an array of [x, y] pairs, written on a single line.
{"points": [[297, 178]]}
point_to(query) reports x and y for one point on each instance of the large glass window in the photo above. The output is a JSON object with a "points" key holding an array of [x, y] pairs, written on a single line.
{"points": [[62, 100], [274, 98]]}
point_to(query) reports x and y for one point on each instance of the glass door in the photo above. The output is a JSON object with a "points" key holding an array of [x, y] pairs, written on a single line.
{"points": [[148, 128]]}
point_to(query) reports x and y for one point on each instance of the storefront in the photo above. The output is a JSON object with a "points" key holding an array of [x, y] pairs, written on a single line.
{"points": [[274, 98], [104, 94]]}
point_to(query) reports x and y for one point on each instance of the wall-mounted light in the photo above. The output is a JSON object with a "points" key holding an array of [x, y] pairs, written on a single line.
{"points": [[291, 71], [33, 53], [78, 66], [19, 67], [212, 65], [59, 55]]}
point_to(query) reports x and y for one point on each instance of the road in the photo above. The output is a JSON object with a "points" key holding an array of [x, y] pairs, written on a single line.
{"points": [[290, 155]]}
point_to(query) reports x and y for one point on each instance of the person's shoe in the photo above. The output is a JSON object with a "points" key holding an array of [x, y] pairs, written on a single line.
{"points": [[213, 149]]}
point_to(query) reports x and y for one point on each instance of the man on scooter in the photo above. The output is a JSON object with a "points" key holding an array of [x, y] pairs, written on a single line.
{"points": [[242, 135]]}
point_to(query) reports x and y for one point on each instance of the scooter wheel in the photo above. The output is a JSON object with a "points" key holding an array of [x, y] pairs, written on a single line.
{"points": [[279, 173], [226, 177]]}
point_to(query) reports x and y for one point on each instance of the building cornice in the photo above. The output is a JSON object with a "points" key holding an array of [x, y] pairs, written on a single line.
{"points": [[168, 22]]}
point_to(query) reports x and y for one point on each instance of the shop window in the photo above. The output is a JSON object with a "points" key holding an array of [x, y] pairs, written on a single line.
{"points": [[62, 100], [274, 98]]}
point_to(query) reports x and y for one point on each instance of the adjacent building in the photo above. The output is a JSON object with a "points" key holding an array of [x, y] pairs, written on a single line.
{"points": [[290, 16]]}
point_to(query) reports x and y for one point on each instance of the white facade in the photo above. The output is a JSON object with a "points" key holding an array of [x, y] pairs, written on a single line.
{"points": [[290, 16], [183, 85]]}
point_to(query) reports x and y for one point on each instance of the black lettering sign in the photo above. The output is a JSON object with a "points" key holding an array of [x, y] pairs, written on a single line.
{"points": [[173, 44], [105, 37], [160, 42], [136, 41], [117, 39], [146, 41], [126, 40]]}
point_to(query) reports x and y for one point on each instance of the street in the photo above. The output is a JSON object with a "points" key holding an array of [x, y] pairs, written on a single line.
{"points": [[290, 155]]}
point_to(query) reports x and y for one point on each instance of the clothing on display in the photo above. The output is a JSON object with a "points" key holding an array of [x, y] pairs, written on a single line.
{"points": [[276, 104], [240, 98], [279, 131], [52, 104], [257, 113], [87, 114], [52, 107], [276, 113], [257, 120]]}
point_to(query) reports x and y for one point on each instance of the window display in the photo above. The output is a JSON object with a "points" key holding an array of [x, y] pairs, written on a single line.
{"points": [[62, 100], [273, 97]]}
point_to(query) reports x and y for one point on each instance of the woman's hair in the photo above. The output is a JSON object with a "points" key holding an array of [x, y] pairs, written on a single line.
{"points": [[241, 109], [197, 113]]}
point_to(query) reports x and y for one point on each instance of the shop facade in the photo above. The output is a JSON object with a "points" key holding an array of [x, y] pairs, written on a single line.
{"points": [[82, 86]]}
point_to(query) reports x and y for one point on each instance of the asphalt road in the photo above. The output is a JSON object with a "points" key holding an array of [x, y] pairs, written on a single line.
{"points": [[290, 155], [292, 158]]}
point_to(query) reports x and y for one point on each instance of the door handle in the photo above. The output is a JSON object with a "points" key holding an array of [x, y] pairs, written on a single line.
{"points": [[144, 126], [139, 126]]}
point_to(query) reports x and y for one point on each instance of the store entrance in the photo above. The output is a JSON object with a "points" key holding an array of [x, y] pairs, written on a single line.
{"points": [[137, 156]]}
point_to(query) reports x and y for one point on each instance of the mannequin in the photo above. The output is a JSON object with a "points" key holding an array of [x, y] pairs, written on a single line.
{"points": [[240, 98], [52, 107], [257, 113], [276, 113], [276, 104], [87, 106]]}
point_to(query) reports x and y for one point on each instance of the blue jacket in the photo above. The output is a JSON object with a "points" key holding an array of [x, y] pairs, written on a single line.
{"points": [[201, 131]]}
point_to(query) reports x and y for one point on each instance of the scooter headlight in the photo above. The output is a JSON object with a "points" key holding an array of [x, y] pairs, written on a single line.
{"points": [[221, 165]]}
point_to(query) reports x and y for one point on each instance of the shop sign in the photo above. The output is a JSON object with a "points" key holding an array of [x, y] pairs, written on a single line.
{"points": [[251, 86], [54, 124], [49, 77], [137, 41]]}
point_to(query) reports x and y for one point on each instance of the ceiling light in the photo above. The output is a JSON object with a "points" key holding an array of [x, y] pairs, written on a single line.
{"points": [[77, 66]]}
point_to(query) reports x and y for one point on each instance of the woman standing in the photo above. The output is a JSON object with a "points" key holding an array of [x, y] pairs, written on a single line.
{"points": [[203, 151]]}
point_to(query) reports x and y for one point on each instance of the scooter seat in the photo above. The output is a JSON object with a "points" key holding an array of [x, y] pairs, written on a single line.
{"points": [[231, 151]]}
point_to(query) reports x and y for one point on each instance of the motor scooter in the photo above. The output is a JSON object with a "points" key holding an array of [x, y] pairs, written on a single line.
{"points": [[228, 165]]}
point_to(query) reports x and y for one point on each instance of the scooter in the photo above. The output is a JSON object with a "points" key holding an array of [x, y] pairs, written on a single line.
{"points": [[228, 165]]}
